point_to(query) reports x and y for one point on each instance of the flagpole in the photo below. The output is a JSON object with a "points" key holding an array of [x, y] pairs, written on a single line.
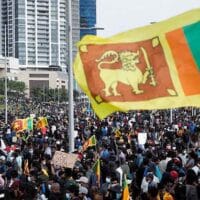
{"points": [[6, 81], [58, 87], [70, 76], [171, 115], [70, 82]]}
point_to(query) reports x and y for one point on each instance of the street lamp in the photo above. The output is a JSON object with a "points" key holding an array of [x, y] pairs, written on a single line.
{"points": [[70, 83], [70, 77], [44, 93], [6, 81], [58, 87]]}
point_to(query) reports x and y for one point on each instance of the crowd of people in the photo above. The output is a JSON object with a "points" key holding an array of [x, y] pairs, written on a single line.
{"points": [[165, 167]]}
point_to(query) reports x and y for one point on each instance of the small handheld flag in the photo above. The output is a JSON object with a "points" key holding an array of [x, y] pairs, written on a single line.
{"points": [[126, 194], [97, 171], [90, 142]]}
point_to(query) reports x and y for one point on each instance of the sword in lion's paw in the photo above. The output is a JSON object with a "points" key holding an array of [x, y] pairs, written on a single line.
{"points": [[149, 67]]}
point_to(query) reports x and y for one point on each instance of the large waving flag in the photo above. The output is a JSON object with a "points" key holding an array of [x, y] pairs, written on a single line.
{"points": [[153, 67]]}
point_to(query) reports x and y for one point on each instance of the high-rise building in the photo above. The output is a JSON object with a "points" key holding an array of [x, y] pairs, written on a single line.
{"points": [[37, 31], [87, 17]]}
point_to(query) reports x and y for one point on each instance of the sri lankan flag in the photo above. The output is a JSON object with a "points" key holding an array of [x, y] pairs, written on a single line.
{"points": [[153, 67], [28, 123], [90, 142], [117, 133], [42, 122], [97, 171], [18, 125], [126, 194]]}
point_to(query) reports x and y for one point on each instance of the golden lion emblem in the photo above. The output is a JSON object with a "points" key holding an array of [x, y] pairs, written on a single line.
{"points": [[129, 74]]}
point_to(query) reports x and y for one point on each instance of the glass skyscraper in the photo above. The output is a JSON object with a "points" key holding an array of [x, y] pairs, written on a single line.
{"points": [[37, 31], [87, 17]]}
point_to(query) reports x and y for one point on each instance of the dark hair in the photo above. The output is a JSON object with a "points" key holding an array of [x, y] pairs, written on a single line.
{"points": [[14, 173], [191, 177], [68, 172], [153, 191]]}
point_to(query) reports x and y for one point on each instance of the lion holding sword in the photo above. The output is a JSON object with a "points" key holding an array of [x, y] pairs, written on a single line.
{"points": [[129, 74]]}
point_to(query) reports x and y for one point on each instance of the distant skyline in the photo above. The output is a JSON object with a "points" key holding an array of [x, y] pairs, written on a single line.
{"points": [[117, 16]]}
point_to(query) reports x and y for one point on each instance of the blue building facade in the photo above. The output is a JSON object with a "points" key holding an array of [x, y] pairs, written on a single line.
{"points": [[87, 17]]}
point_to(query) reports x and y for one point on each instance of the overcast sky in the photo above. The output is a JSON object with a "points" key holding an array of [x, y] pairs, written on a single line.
{"points": [[120, 15]]}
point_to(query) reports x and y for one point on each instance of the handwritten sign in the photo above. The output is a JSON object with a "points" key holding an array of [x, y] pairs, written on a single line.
{"points": [[63, 159], [72, 158]]}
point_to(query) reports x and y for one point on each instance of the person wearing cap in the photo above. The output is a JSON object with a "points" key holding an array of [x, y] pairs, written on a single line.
{"points": [[170, 186], [83, 182], [174, 175], [2, 158], [83, 192]]}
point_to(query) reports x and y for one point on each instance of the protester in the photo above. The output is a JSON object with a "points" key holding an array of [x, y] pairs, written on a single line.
{"points": [[166, 166]]}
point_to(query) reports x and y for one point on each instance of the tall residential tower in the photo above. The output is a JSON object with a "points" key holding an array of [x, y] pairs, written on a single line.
{"points": [[87, 17], [37, 31]]}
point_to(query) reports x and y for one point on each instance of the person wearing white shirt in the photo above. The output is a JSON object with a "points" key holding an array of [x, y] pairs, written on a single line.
{"points": [[196, 167], [183, 157], [19, 164], [149, 180], [163, 164]]}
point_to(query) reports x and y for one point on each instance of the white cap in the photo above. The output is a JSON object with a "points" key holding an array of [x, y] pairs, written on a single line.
{"points": [[2, 158], [82, 179], [83, 190]]}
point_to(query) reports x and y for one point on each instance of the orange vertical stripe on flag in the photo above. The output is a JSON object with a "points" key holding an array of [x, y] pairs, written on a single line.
{"points": [[126, 194], [97, 171], [186, 66]]}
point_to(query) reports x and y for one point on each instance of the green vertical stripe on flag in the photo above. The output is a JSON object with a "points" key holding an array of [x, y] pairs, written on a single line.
{"points": [[192, 34], [30, 123]]}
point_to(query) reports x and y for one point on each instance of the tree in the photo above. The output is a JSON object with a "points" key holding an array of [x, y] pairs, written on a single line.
{"points": [[13, 87]]}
